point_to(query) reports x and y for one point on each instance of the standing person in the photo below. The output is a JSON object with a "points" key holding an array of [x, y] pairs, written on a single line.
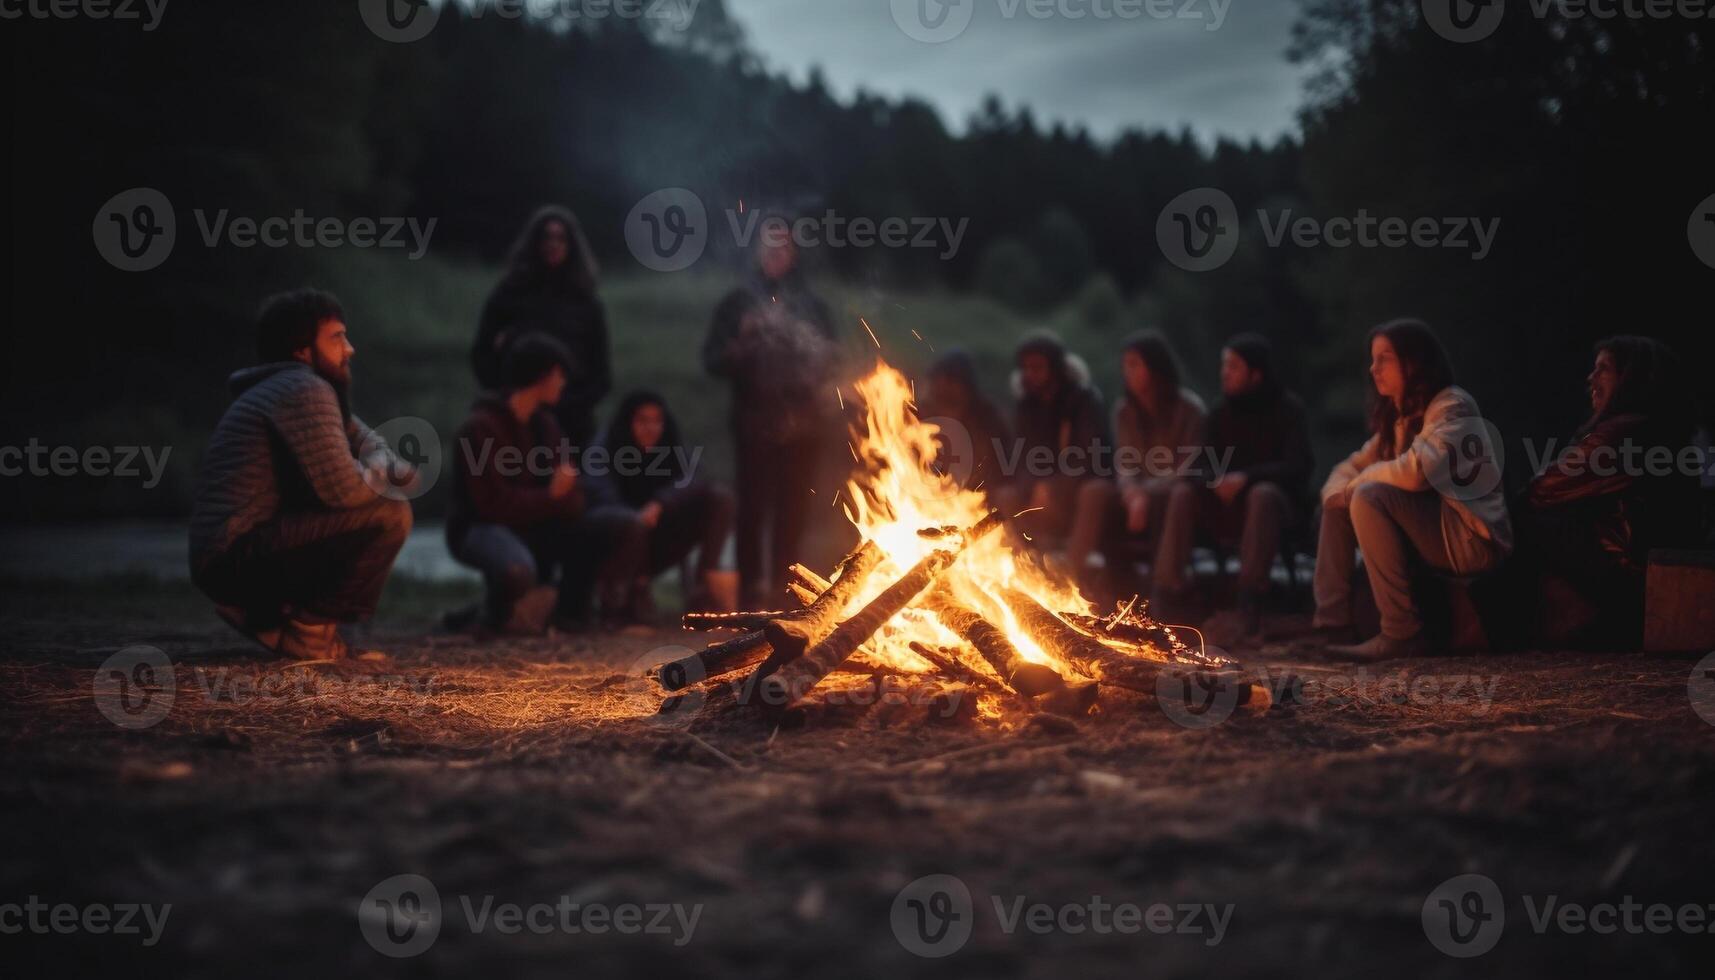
{"points": [[295, 527], [1158, 426], [651, 473], [1061, 436], [968, 453], [1414, 493], [1260, 437], [774, 340], [519, 509], [1590, 521], [550, 288]]}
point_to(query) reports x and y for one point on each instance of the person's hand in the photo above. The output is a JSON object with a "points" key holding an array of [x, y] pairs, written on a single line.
{"points": [[649, 514], [1136, 511], [563, 482], [1229, 488], [387, 474]]}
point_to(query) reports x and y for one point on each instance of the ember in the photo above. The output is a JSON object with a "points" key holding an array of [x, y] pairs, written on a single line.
{"points": [[935, 590]]}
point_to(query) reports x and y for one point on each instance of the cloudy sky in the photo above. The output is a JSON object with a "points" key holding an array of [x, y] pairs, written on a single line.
{"points": [[1104, 69]]}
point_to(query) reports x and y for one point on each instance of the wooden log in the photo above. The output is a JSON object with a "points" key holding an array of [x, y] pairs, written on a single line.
{"points": [[744, 622], [805, 597], [744, 650], [791, 636], [794, 679], [805, 576], [990, 641], [948, 664], [1087, 655]]}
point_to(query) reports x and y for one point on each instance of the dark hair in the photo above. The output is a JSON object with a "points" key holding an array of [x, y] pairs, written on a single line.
{"points": [[524, 262], [1650, 383], [287, 322], [1255, 350], [1427, 371], [529, 359], [1158, 356]]}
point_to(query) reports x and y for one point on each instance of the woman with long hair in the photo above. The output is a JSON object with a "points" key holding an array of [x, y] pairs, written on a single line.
{"points": [[1425, 488], [1589, 519], [550, 288]]}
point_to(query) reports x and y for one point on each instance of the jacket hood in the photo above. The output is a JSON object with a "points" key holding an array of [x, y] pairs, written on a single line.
{"points": [[1072, 367], [245, 379]]}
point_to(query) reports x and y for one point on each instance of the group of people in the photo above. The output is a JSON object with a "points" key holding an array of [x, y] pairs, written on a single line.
{"points": [[1424, 499], [301, 509]]}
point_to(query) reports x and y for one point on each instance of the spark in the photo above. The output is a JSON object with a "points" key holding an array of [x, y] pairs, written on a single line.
{"points": [[841, 397], [872, 335]]}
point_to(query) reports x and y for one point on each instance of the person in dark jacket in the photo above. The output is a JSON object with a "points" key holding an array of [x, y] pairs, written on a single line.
{"points": [[1061, 436], [1256, 487], [971, 427], [519, 507], [1588, 521], [649, 472], [774, 340], [550, 288], [300, 508]]}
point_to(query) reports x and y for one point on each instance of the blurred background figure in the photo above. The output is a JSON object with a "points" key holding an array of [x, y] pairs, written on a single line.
{"points": [[550, 288], [773, 339], [650, 472], [1588, 521], [1158, 428], [1061, 433], [1254, 489], [972, 427]]}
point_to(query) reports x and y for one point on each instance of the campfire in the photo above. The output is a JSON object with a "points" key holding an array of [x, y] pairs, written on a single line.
{"points": [[937, 593]]}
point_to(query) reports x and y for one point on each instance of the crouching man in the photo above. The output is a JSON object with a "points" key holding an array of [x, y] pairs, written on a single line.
{"points": [[299, 508]]}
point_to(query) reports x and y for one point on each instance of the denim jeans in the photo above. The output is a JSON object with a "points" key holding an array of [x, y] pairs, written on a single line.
{"points": [[513, 560]]}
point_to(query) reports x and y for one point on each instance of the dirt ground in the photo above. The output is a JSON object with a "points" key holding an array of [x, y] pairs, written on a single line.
{"points": [[269, 799]]}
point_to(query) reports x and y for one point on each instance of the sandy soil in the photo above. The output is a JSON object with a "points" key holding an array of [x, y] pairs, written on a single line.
{"points": [[270, 799]]}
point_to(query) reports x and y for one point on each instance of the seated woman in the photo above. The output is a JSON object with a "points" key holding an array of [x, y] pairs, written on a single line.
{"points": [[651, 472], [1421, 491], [1588, 521], [1158, 427]]}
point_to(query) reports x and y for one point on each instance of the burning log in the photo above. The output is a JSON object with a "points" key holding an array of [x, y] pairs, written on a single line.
{"points": [[1086, 653], [807, 579], [795, 678], [948, 664], [744, 650], [990, 641], [790, 636]]}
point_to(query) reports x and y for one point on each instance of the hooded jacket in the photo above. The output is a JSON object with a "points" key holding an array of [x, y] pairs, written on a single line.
{"points": [[283, 445], [502, 468]]}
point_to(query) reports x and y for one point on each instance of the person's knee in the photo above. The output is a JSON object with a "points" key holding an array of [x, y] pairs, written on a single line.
{"points": [[1095, 495], [1265, 497], [1369, 499], [516, 577]]}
